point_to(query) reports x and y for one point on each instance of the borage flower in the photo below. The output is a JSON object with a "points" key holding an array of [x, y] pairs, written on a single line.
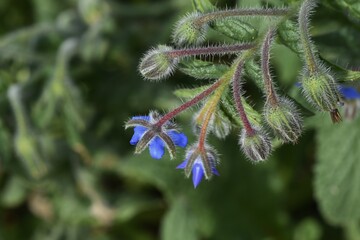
{"points": [[349, 93], [201, 163], [148, 133], [351, 96]]}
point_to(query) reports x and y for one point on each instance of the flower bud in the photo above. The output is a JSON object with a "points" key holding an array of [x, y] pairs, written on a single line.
{"points": [[189, 31], [321, 91], [284, 119], [157, 64], [256, 145], [200, 163]]}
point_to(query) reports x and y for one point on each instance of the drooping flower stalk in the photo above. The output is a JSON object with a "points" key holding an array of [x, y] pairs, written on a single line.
{"points": [[213, 102], [318, 84], [189, 103], [210, 50], [280, 113], [304, 16], [236, 85], [208, 17], [254, 141], [192, 28], [271, 96], [160, 62]]}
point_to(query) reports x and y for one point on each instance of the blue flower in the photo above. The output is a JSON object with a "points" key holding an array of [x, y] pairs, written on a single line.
{"points": [[146, 133], [199, 164], [349, 93]]}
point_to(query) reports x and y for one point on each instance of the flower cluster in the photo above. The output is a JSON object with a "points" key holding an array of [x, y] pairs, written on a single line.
{"points": [[223, 110]]}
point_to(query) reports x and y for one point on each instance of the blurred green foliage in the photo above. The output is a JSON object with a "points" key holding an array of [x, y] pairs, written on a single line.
{"points": [[69, 81]]}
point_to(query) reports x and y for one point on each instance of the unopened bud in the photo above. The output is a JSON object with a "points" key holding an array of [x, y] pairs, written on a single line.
{"points": [[189, 31], [256, 145], [284, 119], [157, 64], [321, 91]]}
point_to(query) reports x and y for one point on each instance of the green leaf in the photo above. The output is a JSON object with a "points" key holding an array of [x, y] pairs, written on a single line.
{"points": [[236, 29], [230, 111], [14, 192], [308, 229], [180, 222], [350, 7], [188, 93], [337, 178], [253, 71], [290, 36], [202, 69], [203, 5], [342, 74]]}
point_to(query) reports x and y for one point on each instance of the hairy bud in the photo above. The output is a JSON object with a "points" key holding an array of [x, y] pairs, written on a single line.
{"points": [[284, 119], [321, 91], [256, 146], [189, 31], [157, 64]]}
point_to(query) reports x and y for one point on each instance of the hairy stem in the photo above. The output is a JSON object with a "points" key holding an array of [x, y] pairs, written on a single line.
{"points": [[304, 16], [211, 110], [211, 50], [236, 81], [190, 103], [241, 12], [265, 67]]}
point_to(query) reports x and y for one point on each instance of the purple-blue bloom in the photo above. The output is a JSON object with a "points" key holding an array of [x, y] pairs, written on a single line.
{"points": [[349, 93], [197, 168], [157, 144]]}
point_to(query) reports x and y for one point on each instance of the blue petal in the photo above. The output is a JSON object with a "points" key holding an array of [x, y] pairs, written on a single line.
{"points": [[179, 139], [146, 118], [182, 165], [215, 171], [157, 148], [198, 174], [138, 132], [349, 92], [298, 84]]}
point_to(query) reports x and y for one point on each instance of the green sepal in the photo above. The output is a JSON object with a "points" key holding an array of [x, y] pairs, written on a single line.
{"points": [[236, 29], [202, 69]]}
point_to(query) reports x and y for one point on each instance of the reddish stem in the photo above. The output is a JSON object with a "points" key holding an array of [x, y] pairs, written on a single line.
{"points": [[188, 104], [237, 97], [211, 50], [265, 66]]}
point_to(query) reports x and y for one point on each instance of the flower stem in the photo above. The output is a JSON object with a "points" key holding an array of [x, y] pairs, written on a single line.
{"points": [[190, 103], [304, 13], [210, 111], [237, 98], [265, 67], [241, 12], [211, 50]]}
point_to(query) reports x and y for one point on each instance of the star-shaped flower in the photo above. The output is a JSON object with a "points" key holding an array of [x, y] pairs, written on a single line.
{"points": [[147, 133], [349, 92], [200, 163]]}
